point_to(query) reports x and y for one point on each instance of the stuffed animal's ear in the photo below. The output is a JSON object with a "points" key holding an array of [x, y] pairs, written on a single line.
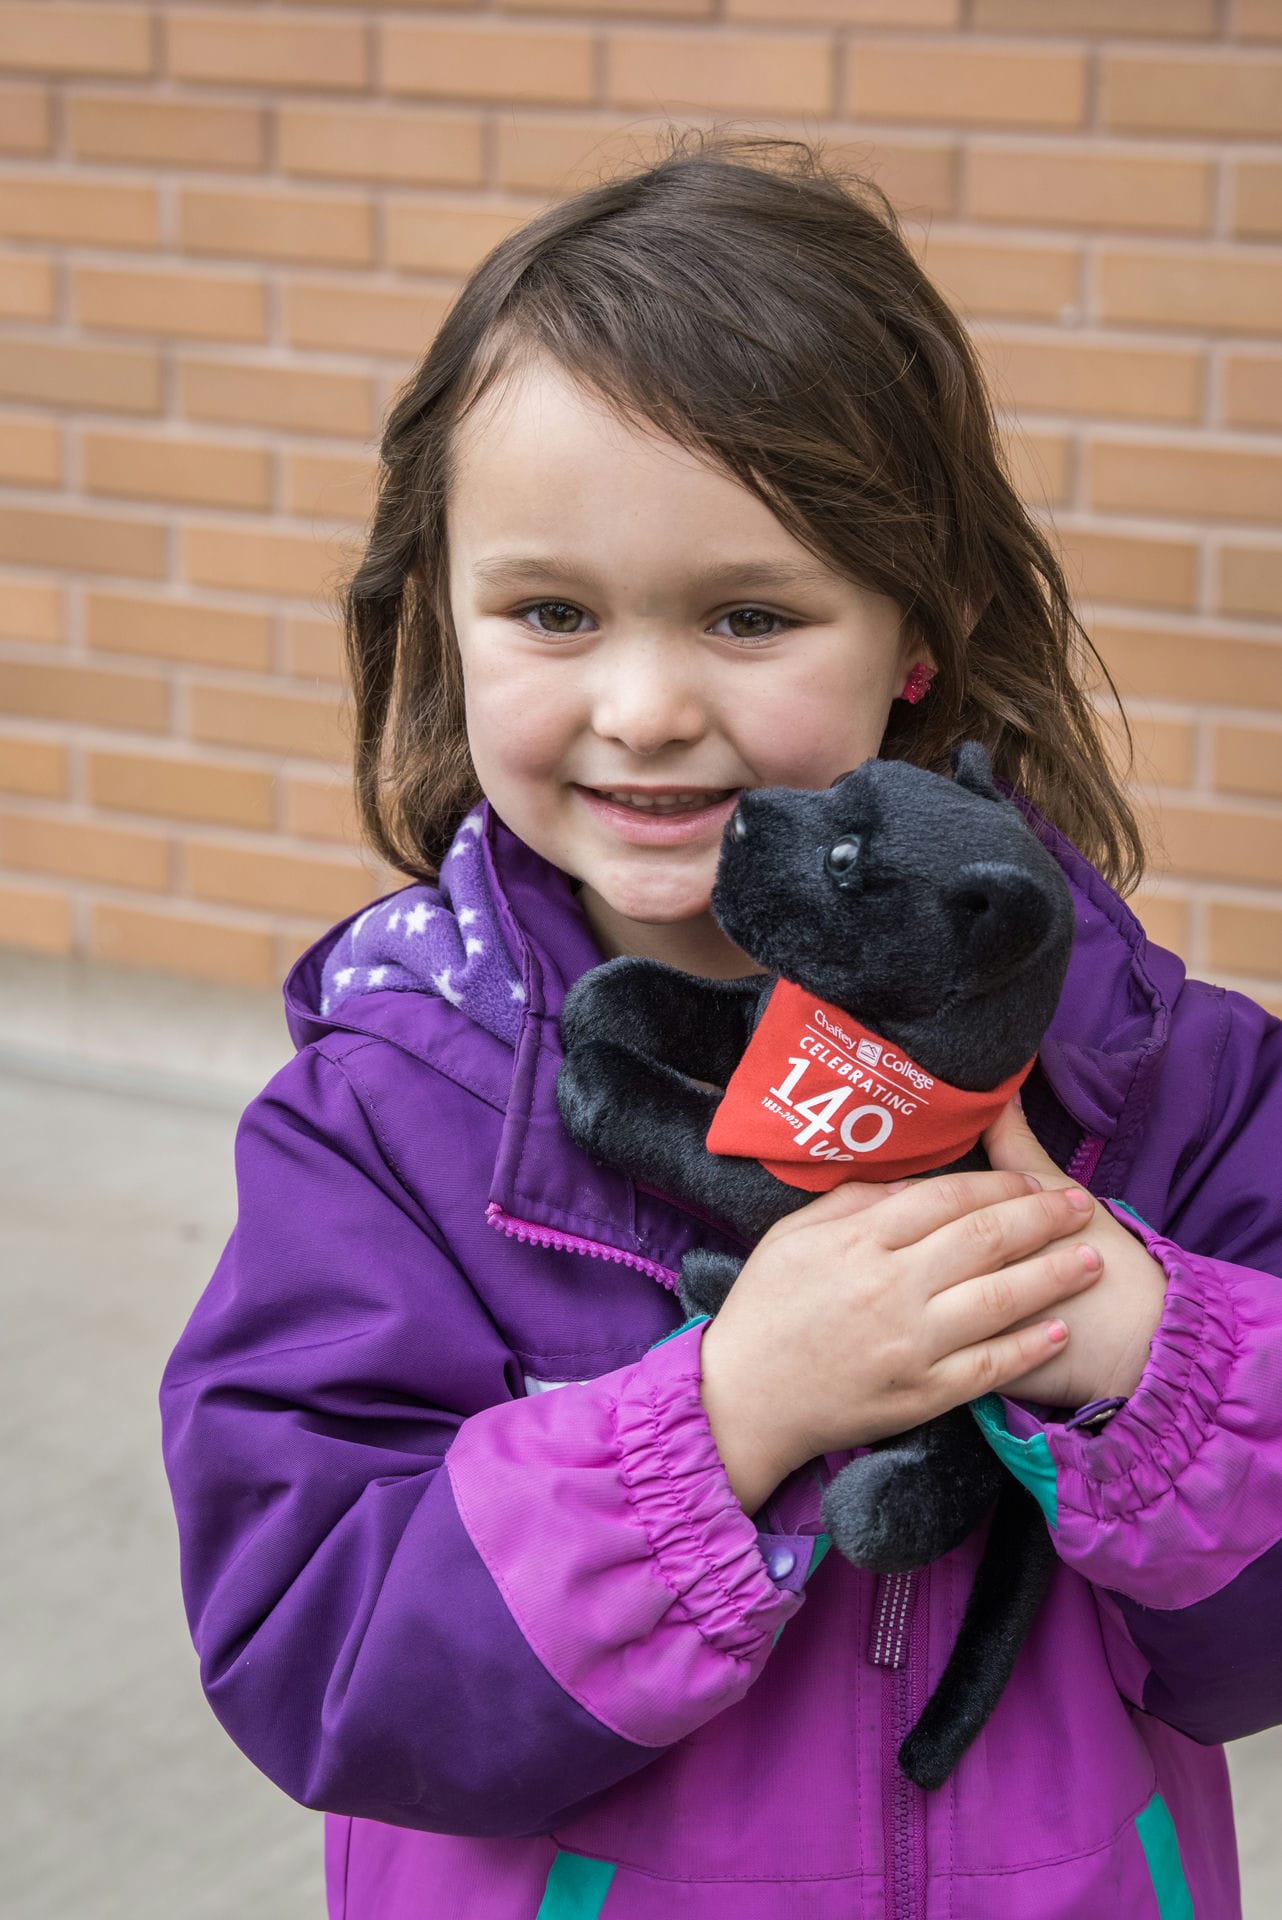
{"points": [[973, 770], [1000, 914]]}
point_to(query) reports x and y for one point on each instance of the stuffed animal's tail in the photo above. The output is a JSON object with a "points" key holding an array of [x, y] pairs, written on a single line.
{"points": [[1012, 1577]]}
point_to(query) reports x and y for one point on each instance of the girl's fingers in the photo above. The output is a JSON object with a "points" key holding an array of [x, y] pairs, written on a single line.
{"points": [[927, 1205], [982, 1242], [988, 1367], [977, 1310]]}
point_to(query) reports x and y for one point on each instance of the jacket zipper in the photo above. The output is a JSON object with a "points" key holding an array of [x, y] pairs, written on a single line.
{"points": [[897, 1644], [541, 1236], [1085, 1157]]}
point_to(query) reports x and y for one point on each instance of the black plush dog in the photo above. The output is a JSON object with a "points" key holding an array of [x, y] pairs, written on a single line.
{"points": [[917, 935]]}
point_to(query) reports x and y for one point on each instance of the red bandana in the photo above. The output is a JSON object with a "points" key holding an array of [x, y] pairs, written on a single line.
{"points": [[820, 1099]]}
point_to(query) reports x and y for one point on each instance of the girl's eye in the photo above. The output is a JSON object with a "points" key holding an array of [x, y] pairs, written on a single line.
{"points": [[560, 608], [756, 636]]}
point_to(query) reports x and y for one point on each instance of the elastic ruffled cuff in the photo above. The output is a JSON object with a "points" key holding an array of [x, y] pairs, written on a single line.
{"points": [[1154, 1437], [703, 1544]]}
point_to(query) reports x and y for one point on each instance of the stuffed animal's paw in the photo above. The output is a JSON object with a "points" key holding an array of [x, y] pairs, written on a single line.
{"points": [[912, 1499], [706, 1279]]}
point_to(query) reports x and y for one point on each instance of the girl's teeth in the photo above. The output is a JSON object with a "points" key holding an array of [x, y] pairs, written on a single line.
{"points": [[667, 803]]}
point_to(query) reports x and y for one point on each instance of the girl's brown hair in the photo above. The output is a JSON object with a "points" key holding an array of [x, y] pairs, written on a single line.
{"points": [[758, 306]]}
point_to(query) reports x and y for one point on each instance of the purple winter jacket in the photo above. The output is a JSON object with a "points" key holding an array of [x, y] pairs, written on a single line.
{"points": [[523, 1646]]}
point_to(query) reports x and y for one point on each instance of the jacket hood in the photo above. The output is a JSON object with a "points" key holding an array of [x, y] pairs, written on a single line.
{"points": [[502, 937]]}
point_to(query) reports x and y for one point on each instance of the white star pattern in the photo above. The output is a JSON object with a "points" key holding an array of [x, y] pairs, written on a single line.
{"points": [[395, 920], [474, 946], [361, 922], [441, 981], [417, 918], [472, 823], [344, 976], [377, 975], [518, 991], [466, 916]]}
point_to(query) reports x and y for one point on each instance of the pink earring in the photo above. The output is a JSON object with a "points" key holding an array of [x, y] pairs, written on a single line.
{"points": [[917, 685]]}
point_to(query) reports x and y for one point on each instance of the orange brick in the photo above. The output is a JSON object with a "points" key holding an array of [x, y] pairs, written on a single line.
{"points": [[276, 881], [848, 13], [490, 61], [553, 153], [1234, 95], [110, 379], [917, 174], [247, 559], [240, 49], [166, 784], [211, 473], [261, 225], [1251, 581], [79, 212], [314, 649], [668, 9], [1166, 19], [1247, 938], [762, 72], [1229, 290], [203, 947], [328, 486], [25, 122], [1164, 918], [83, 542], [84, 850], [1104, 566], [1249, 760], [1007, 279], [194, 306], [36, 919], [967, 84], [382, 143], [296, 940], [1163, 749], [30, 452], [31, 610], [28, 289], [89, 696], [1071, 185], [1256, 20], [292, 398], [436, 236], [177, 630], [58, 38], [1039, 464], [1184, 477], [1056, 374], [133, 128], [1225, 842], [309, 725], [1257, 199], [346, 317], [320, 809], [1198, 666], [37, 767], [1253, 389]]}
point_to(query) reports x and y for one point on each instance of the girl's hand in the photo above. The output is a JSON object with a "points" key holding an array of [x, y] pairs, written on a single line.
{"points": [[870, 1310], [1114, 1322]]}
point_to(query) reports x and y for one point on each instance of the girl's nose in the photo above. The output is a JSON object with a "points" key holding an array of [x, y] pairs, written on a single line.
{"points": [[647, 702]]}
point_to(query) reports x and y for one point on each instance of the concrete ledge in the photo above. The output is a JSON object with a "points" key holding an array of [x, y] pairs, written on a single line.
{"points": [[83, 1023]]}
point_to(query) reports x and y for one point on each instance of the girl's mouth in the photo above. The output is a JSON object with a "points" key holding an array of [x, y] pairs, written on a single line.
{"points": [[661, 817]]}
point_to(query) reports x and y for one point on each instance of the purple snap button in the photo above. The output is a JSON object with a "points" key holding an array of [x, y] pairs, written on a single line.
{"points": [[781, 1563]]}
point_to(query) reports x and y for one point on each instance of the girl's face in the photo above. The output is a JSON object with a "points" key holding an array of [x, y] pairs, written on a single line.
{"points": [[633, 623]]}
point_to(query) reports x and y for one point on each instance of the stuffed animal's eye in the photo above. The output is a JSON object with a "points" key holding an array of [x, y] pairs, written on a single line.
{"points": [[843, 857]]}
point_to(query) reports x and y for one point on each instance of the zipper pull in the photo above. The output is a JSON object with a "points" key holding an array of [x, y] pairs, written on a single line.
{"points": [[887, 1639]]}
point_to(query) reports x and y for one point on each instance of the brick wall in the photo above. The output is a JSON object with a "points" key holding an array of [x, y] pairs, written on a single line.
{"points": [[227, 232]]}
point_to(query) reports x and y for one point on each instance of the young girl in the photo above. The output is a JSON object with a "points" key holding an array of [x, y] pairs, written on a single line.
{"points": [[696, 491]]}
